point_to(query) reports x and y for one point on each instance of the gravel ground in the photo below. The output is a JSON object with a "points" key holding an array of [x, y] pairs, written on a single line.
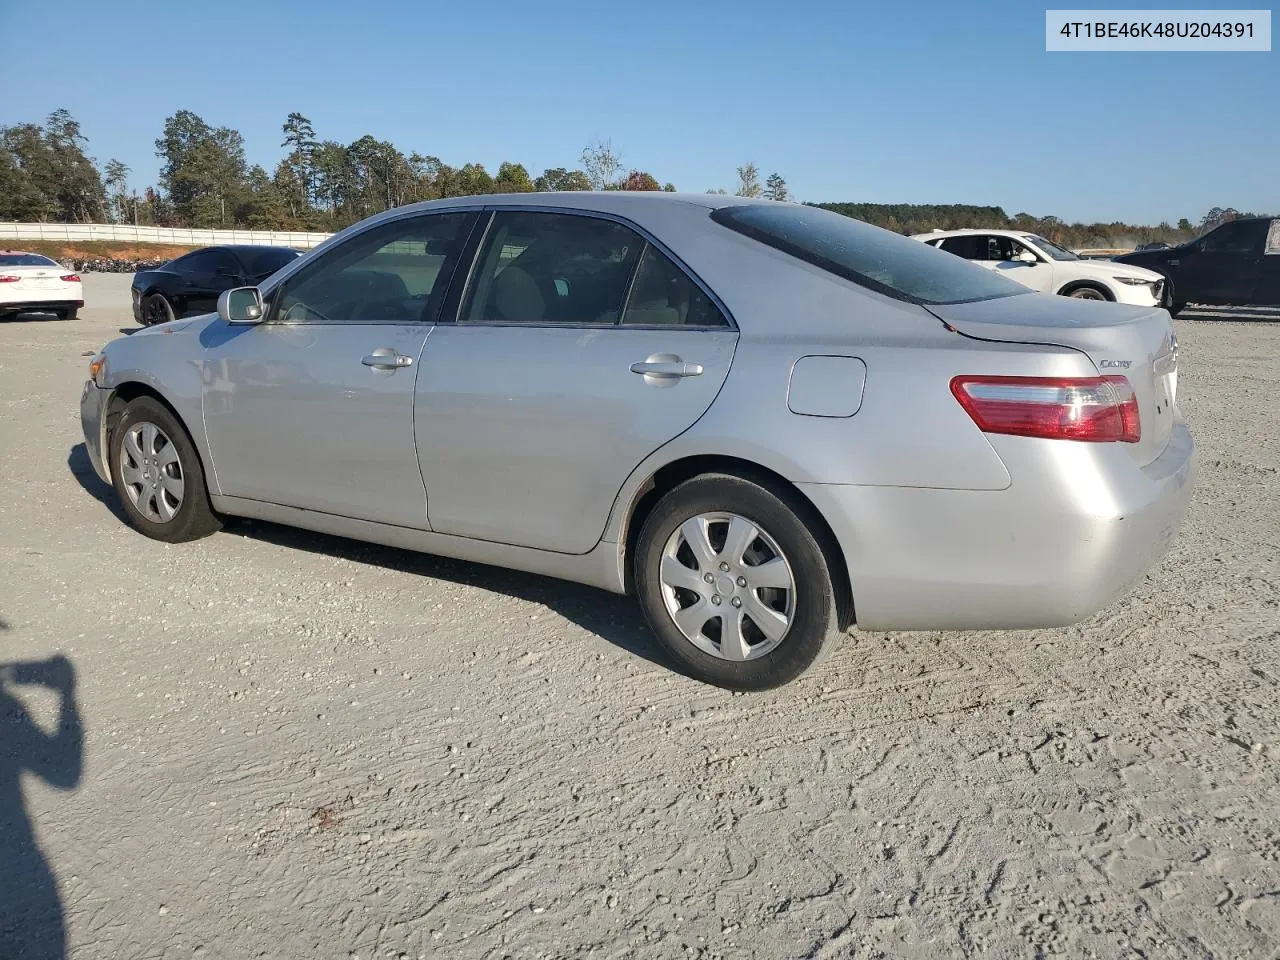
{"points": [[300, 746]]}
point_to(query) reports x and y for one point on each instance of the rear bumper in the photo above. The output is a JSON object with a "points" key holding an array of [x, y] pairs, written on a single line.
{"points": [[1077, 527], [93, 409], [37, 305]]}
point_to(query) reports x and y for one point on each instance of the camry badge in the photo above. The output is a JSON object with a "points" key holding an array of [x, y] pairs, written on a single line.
{"points": [[1111, 364]]}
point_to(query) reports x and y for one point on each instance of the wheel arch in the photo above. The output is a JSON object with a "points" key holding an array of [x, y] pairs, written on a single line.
{"points": [[670, 475], [1068, 288], [126, 392]]}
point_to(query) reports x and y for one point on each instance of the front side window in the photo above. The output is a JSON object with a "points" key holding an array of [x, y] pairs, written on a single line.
{"points": [[1239, 238], [1051, 249], [552, 268], [877, 259], [394, 273], [664, 295]]}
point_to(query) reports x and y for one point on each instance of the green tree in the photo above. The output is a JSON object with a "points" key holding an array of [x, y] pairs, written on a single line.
{"points": [[775, 188], [668, 187], [512, 178], [299, 184], [1184, 225], [204, 170], [121, 208], [748, 181], [558, 178], [46, 174]]}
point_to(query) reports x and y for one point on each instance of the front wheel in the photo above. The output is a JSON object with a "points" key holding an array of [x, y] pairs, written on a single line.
{"points": [[156, 309], [158, 475], [1087, 293], [733, 584]]}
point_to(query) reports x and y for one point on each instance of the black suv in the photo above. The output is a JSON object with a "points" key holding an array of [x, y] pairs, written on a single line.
{"points": [[1234, 265]]}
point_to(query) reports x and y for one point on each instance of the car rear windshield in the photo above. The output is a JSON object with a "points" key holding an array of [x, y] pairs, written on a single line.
{"points": [[883, 261], [25, 260]]}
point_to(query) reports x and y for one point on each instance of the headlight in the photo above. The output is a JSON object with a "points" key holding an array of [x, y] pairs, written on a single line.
{"points": [[1135, 281]]}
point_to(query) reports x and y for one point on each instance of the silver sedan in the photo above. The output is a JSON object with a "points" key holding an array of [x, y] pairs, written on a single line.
{"points": [[766, 421]]}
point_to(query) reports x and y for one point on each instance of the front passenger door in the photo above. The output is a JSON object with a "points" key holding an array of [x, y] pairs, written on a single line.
{"points": [[579, 350], [313, 408]]}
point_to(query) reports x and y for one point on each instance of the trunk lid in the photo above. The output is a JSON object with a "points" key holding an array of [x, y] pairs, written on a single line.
{"points": [[1135, 342], [35, 277]]}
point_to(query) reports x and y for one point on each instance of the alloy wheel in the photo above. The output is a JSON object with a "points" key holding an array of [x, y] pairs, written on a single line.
{"points": [[151, 472], [727, 586]]}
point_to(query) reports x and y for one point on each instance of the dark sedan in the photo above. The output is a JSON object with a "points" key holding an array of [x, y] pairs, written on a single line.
{"points": [[1234, 265], [190, 284]]}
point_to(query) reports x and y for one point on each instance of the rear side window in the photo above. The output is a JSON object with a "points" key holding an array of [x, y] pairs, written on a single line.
{"points": [[263, 263], [546, 268], [663, 295], [25, 260], [890, 264]]}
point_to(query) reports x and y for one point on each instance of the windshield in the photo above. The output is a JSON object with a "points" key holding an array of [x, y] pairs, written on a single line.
{"points": [[1051, 249], [878, 259], [25, 260]]}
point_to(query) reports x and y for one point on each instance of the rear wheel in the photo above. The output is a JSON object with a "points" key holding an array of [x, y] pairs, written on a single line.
{"points": [[158, 475], [733, 584], [156, 309]]}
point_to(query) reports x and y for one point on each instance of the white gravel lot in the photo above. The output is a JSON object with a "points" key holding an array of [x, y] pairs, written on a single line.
{"points": [[300, 746]]}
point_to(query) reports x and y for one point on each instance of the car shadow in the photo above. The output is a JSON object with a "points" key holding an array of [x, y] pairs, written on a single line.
{"points": [[81, 468], [614, 618], [31, 921]]}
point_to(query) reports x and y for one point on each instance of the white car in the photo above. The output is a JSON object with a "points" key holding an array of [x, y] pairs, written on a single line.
{"points": [[1042, 265], [31, 283]]}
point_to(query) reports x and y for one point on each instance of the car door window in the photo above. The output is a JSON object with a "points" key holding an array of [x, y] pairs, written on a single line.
{"points": [[968, 246], [223, 264], [664, 295], [1273, 239], [1238, 239], [552, 268], [395, 273], [199, 263]]}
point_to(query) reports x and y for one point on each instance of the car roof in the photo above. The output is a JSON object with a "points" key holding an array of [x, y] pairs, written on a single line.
{"points": [[967, 231], [604, 201], [24, 253]]}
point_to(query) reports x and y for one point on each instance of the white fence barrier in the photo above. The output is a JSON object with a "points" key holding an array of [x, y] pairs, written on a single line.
{"points": [[177, 236]]}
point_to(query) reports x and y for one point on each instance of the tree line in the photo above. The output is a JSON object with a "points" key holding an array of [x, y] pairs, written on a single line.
{"points": [[46, 175]]}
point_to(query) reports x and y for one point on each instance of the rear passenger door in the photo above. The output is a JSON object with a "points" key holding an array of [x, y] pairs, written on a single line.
{"points": [[578, 349]]}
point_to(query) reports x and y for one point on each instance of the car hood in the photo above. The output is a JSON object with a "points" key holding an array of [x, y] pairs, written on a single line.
{"points": [[1110, 268]]}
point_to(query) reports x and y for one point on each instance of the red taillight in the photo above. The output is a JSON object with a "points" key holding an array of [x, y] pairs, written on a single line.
{"points": [[1095, 409], [9, 279], [72, 278]]}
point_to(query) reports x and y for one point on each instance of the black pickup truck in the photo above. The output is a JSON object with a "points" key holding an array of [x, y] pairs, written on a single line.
{"points": [[1234, 265]]}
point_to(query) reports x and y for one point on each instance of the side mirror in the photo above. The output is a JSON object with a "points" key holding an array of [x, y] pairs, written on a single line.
{"points": [[1026, 256], [241, 305]]}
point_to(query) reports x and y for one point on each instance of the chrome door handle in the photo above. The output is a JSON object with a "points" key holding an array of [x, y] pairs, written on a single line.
{"points": [[389, 360], [667, 369]]}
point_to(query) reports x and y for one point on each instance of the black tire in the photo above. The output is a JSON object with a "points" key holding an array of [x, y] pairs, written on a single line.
{"points": [[156, 309], [1086, 291], [68, 314], [811, 633], [193, 517]]}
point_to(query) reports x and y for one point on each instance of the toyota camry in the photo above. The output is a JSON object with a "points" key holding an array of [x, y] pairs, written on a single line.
{"points": [[766, 421]]}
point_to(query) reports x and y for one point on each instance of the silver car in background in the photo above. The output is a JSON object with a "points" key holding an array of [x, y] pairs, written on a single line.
{"points": [[766, 421]]}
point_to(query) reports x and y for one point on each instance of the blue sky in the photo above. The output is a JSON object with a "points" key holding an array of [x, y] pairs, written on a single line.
{"points": [[920, 101]]}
